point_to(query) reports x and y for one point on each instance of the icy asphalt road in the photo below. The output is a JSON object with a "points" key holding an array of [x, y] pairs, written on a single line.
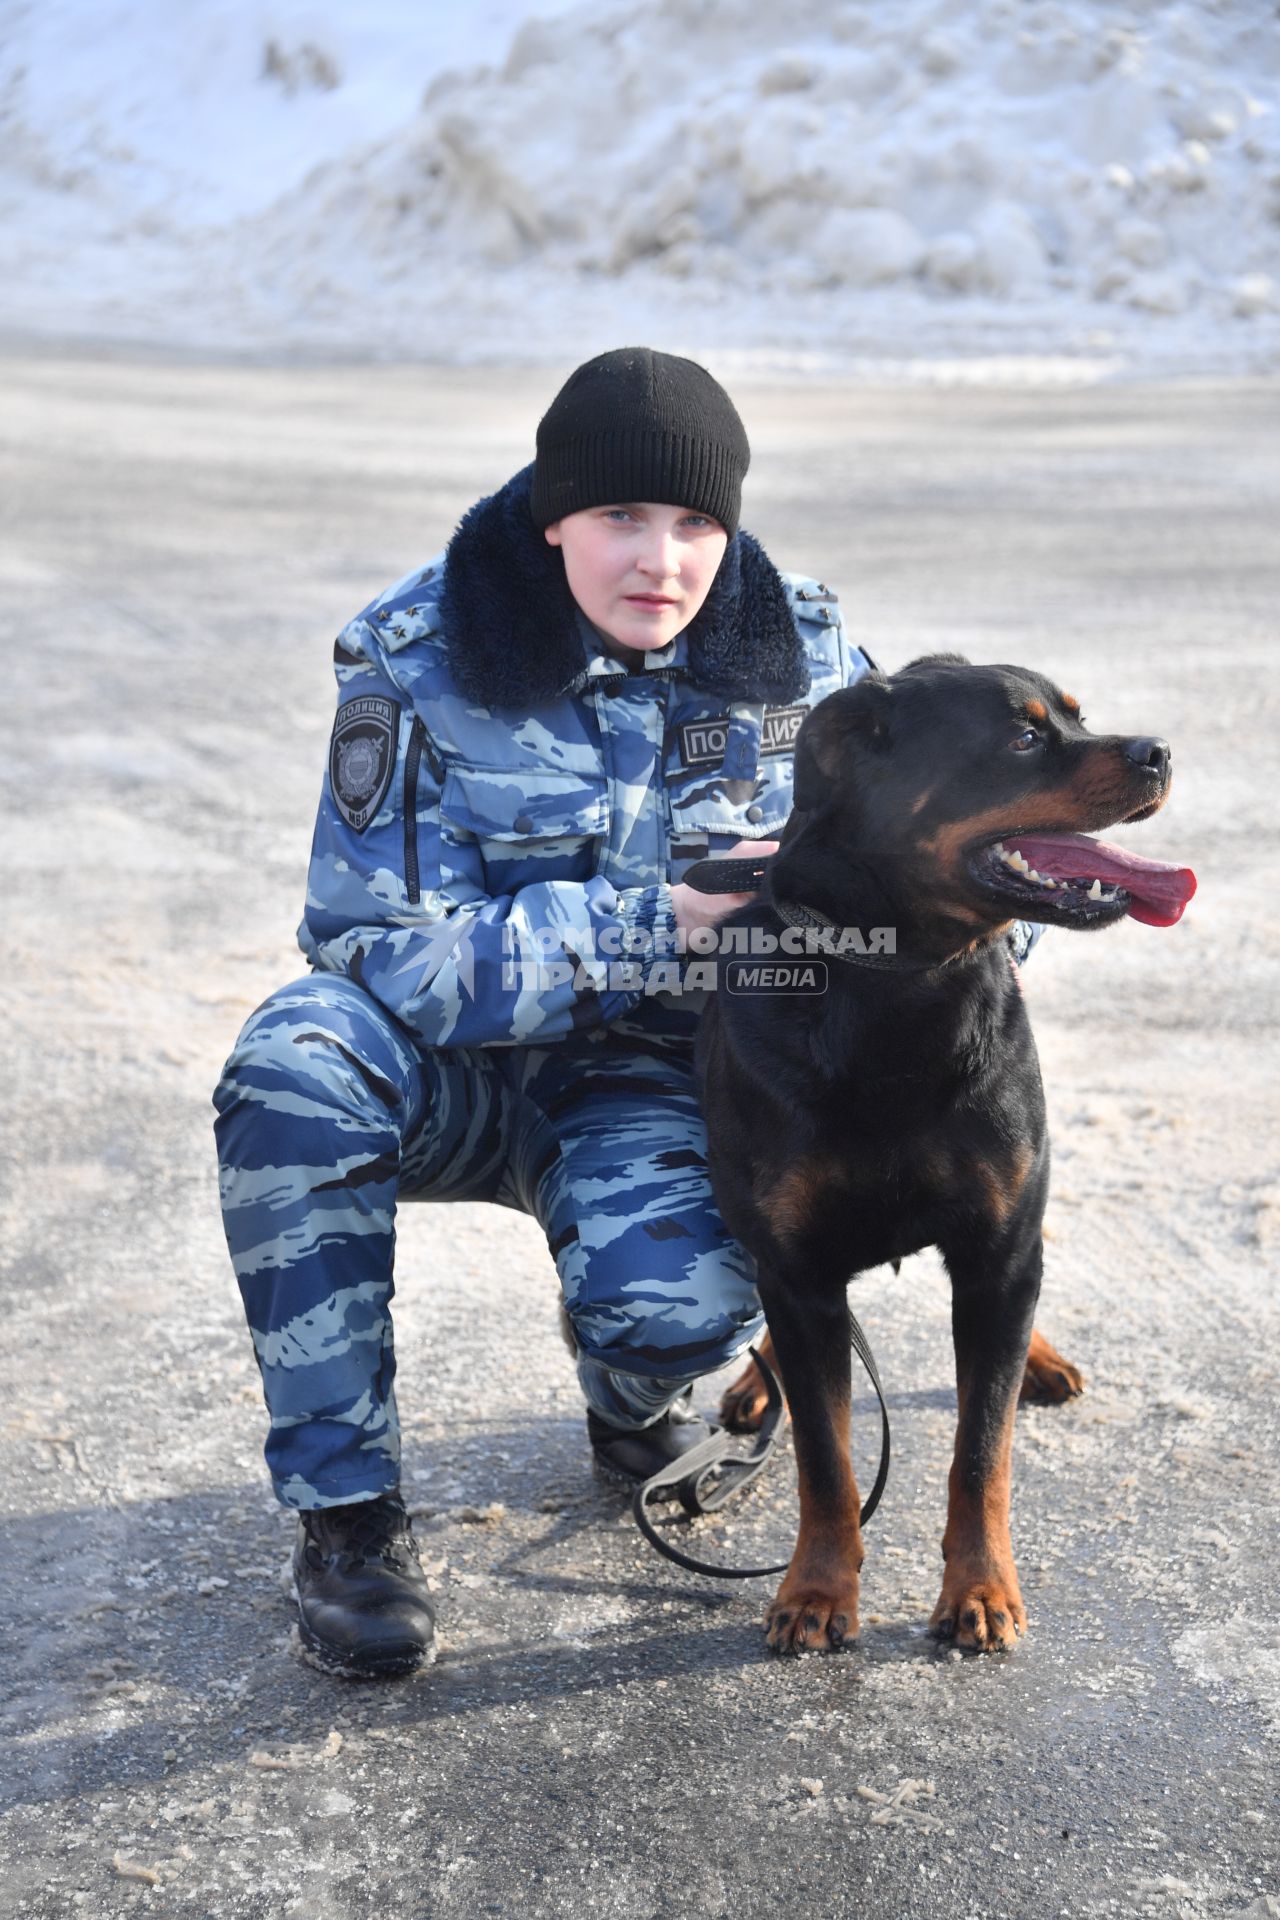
{"points": [[604, 1735]]}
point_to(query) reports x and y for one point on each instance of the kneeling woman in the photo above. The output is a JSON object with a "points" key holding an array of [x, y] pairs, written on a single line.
{"points": [[598, 683]]}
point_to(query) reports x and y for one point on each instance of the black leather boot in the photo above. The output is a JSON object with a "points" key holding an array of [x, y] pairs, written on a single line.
{"points": [[361, 1592], [632, 1454]]}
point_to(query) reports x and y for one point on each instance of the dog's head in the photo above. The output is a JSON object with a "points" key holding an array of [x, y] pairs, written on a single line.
{"points": [[964, 796]]}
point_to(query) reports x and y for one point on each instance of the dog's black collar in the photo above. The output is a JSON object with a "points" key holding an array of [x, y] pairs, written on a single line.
{"points": [[747, 875], [796, 915]]}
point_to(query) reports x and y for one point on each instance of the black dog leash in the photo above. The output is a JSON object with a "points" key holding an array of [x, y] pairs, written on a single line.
{"points": [[692, 1476], [728, 876]]}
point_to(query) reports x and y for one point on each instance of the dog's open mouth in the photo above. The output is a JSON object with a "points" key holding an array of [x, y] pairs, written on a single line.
{"points": [[1074, 877]]}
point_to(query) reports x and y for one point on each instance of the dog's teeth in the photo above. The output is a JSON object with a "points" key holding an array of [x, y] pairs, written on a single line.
{"points": [[1095, 891], [1015, 859], [1033, 875], [1000, 846]]}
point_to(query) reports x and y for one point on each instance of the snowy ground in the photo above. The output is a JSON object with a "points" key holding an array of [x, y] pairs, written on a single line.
{"points": [[1072, 182], [604, 1736]]}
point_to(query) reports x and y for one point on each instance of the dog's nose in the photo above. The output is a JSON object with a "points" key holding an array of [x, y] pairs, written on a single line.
{"points": [[1152, 755]]}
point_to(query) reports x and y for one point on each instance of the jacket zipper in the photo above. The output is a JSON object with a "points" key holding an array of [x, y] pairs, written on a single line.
{"points": [[420, 742]]}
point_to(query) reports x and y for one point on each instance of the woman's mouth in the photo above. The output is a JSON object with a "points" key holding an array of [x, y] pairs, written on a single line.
{"points": [[654, 602]]}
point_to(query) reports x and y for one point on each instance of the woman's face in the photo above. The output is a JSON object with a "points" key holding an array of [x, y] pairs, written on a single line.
{"points": [[640, 572]]}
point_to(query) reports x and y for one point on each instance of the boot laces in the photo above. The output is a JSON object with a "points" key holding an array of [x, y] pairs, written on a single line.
{"points": [[372, 1530]]}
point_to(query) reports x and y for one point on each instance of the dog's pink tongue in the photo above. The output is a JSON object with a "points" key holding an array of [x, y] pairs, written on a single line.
{"points": [[1158, 892]]}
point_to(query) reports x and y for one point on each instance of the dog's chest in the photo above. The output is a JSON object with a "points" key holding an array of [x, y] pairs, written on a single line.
{"points": [[859, 1205]]}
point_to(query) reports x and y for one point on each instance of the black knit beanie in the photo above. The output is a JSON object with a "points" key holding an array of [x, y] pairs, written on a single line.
{"points": [[638, 425]]}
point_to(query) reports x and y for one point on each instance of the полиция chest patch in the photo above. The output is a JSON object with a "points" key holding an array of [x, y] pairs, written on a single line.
{"points": [[362, 754], [702, 742]]}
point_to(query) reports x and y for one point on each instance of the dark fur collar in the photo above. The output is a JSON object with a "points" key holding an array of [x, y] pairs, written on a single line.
{"points": [[510, 623]]}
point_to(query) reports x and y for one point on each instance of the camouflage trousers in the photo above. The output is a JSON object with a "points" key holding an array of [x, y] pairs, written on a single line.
{"points": [[329, 1112]]}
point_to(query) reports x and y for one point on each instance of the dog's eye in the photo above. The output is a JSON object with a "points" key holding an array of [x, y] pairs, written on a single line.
{"points": [[1025, 741]]}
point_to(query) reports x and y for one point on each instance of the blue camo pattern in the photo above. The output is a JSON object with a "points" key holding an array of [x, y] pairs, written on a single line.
{"points": [[329, 1113]]}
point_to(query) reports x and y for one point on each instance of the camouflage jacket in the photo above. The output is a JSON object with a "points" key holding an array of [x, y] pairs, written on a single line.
{"points": [[498, 786]]}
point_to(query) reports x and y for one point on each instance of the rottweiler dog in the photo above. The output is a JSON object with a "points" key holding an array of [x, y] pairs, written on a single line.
{"points": [[902, 1106]]}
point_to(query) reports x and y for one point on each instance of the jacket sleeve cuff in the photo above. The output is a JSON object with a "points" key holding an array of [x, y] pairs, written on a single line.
{"points": [[648, 916]]}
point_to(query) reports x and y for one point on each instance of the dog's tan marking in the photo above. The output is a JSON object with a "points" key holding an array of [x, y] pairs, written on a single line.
{"points": [[961, 910], [789, 1203], [816, 1607], [1001, 1182], [1070, 702], [1048, 1375], [744, 1400], [922, 800], [980, 1606], [1036, 710], [1091, 794]]}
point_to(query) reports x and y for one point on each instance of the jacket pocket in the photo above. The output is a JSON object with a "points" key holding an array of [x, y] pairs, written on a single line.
{"points": [[529, 823], [707, 808]]}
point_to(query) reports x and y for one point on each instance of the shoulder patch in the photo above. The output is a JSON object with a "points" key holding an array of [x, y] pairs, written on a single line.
{"points": [[410, 611], [362, 756]]}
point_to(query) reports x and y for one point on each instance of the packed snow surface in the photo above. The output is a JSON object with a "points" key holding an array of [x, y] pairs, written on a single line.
{"points": [[523, 179]]}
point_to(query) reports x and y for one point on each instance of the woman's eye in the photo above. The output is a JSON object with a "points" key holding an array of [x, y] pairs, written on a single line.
{"points": [[617, 513], [1025, 741]]}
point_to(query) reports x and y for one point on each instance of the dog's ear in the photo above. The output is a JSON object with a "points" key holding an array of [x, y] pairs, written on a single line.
{"points": [[861, 713]]}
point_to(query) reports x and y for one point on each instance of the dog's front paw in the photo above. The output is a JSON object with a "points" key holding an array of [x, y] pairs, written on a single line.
{"points": [[982, 1612], [813, 1616]]}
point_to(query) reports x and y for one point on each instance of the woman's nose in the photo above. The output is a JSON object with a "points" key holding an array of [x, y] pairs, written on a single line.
{"points": [[661, 558]]}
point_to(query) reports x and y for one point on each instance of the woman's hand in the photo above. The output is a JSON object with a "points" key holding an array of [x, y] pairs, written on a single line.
{"points": [[694, 909]]}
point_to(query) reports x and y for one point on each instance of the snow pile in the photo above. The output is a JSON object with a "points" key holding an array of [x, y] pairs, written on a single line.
{"points": [[850, 179]]}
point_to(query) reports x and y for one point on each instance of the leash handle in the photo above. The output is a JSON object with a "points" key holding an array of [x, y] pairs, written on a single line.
{"points": [[687, 1473], [728, 876]]}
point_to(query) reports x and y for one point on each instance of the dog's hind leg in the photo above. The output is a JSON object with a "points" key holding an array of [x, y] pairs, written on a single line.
{"points": [[816, 1607], [743, 1402], [1048, 1376]]}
